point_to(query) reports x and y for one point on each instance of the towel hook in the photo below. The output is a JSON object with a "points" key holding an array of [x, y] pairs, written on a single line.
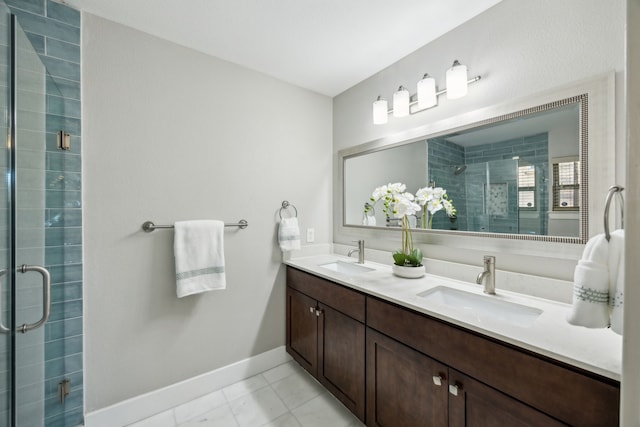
{"points": [[614, 189], [285, 206]]}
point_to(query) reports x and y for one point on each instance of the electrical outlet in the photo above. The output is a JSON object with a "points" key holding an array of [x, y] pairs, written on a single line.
{"points": [[311, 235]]}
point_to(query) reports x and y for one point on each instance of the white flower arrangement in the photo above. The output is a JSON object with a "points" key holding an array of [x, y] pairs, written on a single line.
{"points": [[399, 204], [432, 200]]}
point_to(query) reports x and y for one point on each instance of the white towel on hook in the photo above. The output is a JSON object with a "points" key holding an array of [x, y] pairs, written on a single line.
{"points": [[199, 252], [289, 234], [616, 280], [591, 286]]}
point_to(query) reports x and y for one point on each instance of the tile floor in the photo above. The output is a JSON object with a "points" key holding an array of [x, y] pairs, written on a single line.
{"points": [[285, 396]]}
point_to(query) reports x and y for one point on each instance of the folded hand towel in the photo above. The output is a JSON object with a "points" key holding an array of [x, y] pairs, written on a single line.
{"points": [[616, 279], [591, 286], [199, 252], [289, 234]]}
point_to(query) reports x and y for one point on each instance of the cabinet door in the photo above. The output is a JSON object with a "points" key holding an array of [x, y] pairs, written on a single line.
{"points": [[302, 330], [404, 387], [341, 358], [473, 404]]}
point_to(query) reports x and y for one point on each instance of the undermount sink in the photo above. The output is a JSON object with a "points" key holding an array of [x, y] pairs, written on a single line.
{"points": [[347, 268], [483, 306]]}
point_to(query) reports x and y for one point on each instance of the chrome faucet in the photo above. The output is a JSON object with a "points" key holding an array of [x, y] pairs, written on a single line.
{"points": [[489, 274], [360, 251]]}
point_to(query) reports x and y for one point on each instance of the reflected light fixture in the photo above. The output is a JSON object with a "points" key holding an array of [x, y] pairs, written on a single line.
{"points": [[405, 104]]}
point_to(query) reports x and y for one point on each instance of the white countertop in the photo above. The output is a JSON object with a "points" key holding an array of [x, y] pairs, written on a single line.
{"points": [[595, 350]]}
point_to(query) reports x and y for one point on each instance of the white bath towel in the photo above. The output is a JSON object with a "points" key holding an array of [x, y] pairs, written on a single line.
{"points": [[616, 280], [199, 251], [591, 286], [289, 234]]}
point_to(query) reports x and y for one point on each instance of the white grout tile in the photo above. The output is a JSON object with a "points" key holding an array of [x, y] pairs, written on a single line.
{"points": [[280, 372], [244, 387], [257, 408], [287, 420], [163, 419], [297, 389], [199, 406], [294, 399], [219, 417], [323, 410]]}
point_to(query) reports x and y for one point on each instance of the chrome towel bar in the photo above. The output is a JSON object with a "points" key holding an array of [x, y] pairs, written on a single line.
{"points": [[149, 226]]}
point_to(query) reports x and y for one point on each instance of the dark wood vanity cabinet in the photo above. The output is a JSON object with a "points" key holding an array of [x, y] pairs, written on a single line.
{"points": [[421, 371], [401, 390], [408, 388], [326, 335], [489, 383]]}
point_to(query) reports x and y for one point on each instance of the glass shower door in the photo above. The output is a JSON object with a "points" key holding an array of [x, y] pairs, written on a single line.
{"points": [[5, 223], [26, 285]]}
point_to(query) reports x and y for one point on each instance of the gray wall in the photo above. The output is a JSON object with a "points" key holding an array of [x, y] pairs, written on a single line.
{"points": [[631, 351], [520, 48], [172, 134]]}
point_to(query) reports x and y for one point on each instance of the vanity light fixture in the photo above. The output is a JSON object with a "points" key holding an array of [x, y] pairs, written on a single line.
{"points": [[401, 101], [427, 97], [405, 104], [380, 114], [456, 80]]}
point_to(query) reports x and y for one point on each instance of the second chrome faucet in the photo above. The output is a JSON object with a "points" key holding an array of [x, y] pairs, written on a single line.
{"points": [[360, 251], [488, 275]]}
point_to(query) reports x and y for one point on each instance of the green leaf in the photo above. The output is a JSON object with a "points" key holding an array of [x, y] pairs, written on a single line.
{"points": [[399, 258], [415, 259]]}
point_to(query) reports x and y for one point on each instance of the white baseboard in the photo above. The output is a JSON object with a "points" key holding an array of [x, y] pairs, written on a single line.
{"points": [[154, 402]]}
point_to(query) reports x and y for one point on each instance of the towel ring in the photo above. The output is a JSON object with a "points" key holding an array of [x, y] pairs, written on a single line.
{"points": [[285, 206], [613, 190]]}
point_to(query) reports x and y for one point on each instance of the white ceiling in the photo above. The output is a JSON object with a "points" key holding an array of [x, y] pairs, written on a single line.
{"points": [[323, 45]]}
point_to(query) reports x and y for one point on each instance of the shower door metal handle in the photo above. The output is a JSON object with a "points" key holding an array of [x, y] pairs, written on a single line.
{"points": [[46, 296], [3, 329]]}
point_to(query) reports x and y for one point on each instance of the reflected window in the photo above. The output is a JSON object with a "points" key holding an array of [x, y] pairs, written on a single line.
{"points": [[527, 187], [566, 184]]}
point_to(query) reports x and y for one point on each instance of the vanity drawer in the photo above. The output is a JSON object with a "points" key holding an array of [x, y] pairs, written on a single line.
{"points": [[347, 301], [574, 396]]}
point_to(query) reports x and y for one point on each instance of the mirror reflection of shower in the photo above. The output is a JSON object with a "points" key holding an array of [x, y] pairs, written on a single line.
{"points": [[458, 169]]}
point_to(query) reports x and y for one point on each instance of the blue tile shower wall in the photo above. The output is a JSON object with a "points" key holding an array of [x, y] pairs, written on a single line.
{"points": [[445, 156], [54, 31]]}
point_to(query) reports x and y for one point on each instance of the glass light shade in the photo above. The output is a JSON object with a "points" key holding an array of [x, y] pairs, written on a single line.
{"points": [[427, 92], [380, 111], [401, 102], [457, 81]]}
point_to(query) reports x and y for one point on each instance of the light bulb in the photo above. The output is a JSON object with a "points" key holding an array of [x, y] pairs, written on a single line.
{"points": [[380, 111], [401, 102], [427, 92], [456, 80]]}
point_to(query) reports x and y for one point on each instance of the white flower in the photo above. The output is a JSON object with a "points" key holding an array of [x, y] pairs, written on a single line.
{"points": [[423, 195], [434, 206], [379, 193], [448, 207], [405, 206], [396, 188]]}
